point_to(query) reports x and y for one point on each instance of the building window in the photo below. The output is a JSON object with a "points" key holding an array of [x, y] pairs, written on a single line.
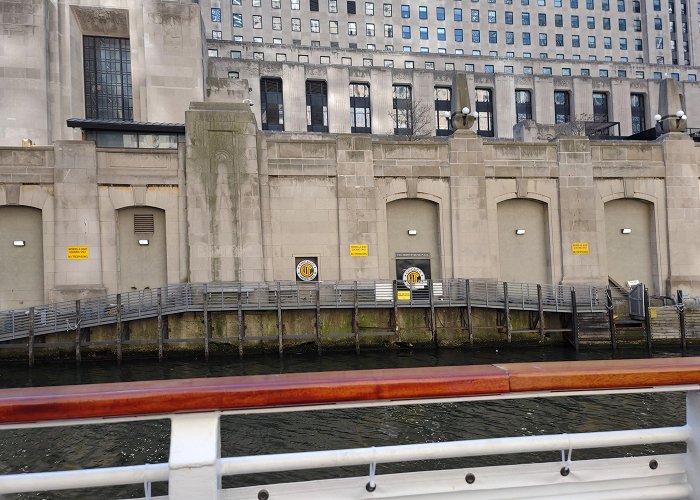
{"points": [[360, 112], [276, 23], [107, 74], [523, 105], [238, 20], [422, 12], [423, 32], [492, 16], [352, 28], [443, 102], [316, 106], [623, 43], [459, 35], [484, 106], [369, 29], [543, 39], [351, 7], [295, 4], [600, 107], [526, 38], [313, 5], [216, 35], [405, 11], [271, 103], [638, 114], [315, 25], [542, 19], [493, 37], [387, 9], [406, 32], [458, 14], [476, 36], [622, 24], [562, 107], [525, 19], [389, 31], [402, 110], [216, 15], [574, 22], [488, 68], [369, 8], [275, 4], [441, 36]]}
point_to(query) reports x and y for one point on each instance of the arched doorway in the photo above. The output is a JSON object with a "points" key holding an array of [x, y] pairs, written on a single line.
{"points": [[142, 248], [413, 228], [523, 241], [631, 242], [21, 257]]}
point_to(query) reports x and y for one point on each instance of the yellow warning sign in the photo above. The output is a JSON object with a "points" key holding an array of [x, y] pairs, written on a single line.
{"points": [[579, 248], [652, 312], [77, 253], [359, 250], [403, 295]]}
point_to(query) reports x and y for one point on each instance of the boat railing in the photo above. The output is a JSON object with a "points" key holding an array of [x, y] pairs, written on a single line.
{"points": [[195, 406], [251, 296]]}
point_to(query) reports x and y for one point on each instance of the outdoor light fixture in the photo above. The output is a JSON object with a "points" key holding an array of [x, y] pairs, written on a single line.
{"points": [[475, 114], [680, 113], [657, 117], [18, 243], [447, 114], [143, 242], [465, 110], [412, 232], [519, 232], [626, 230]]}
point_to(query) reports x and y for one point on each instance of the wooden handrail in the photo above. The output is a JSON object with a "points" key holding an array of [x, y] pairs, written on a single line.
{"points": [[40, 404]]}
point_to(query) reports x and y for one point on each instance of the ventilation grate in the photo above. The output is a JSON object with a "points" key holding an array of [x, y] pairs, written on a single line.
{"points": [[143, 223]]}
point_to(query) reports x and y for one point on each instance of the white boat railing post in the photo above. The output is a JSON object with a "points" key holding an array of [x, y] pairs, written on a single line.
{"points": [[692, 456], [195, 450]]}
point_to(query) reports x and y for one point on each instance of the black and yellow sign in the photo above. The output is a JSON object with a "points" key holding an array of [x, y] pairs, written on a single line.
{"points": [[307, 269], [359, 250], [77, 253], [403, 295], [414, 277], [579, 248]]}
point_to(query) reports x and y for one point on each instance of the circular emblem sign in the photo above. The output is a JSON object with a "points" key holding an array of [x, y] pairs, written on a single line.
{"points": [[307, 270], [414, 277]]}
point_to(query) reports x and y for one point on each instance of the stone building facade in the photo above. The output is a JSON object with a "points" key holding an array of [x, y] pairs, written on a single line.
{"points": [[231, 202]]}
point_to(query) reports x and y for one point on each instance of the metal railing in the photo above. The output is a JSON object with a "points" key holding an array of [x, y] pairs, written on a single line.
{"points": [[249, 296], [195, 466]]}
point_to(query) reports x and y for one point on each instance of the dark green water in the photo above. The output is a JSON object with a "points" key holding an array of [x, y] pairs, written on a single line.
{"points": [[147, 442]]}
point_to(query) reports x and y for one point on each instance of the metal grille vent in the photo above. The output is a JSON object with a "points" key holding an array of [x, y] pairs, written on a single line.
{"points": [[143, 223], [316, 87], [271, 85]]}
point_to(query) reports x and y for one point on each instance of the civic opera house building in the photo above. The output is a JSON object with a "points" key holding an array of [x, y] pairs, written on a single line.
{"points": [[146, 142]]}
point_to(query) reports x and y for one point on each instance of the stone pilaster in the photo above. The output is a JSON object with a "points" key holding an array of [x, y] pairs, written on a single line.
{"points": [[683, 212], [578, 218], [223, 211], [470, 231], [77, 221], [357, 215]]}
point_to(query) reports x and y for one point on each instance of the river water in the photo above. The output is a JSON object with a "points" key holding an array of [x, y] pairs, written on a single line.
{"points": [[147, 442]]}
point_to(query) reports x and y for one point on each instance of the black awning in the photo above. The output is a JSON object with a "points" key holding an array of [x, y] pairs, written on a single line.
{"points": [[126, 126]]}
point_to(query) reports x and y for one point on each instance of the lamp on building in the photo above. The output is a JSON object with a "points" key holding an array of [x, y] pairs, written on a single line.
{"points": [[657, 117], [143, 242], [27, 143], [475, 114], [19, 243], [465, 114], [680, 113], [519, 232], [626, 230], [412, 232]]}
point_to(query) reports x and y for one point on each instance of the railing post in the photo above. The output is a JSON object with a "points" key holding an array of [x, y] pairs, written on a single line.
{"points": [[692, 455], [395, 292], [433, 321], [574, 317], [119, 327], [611, 319], [241, 319], [195, 450], [647, 319], [469, 315], [540, 311], [506, 311], [78, 331], [160, 323], [681, 317], [207, 327], [318, 317], [355, 320], [30, 340], [279, 320]]}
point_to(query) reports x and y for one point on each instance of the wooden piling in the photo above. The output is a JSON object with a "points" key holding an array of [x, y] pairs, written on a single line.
{"points": [[160, 324], [647, 320], [30, 340], [681, 317], [540, 312], [207, 326], [318, 317], [574, 318], [355, 319], [78, 331], [119, 328], [506, 312], [241, 321], [279, 320], [611, 319], [433, 320], [469, 315]]}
